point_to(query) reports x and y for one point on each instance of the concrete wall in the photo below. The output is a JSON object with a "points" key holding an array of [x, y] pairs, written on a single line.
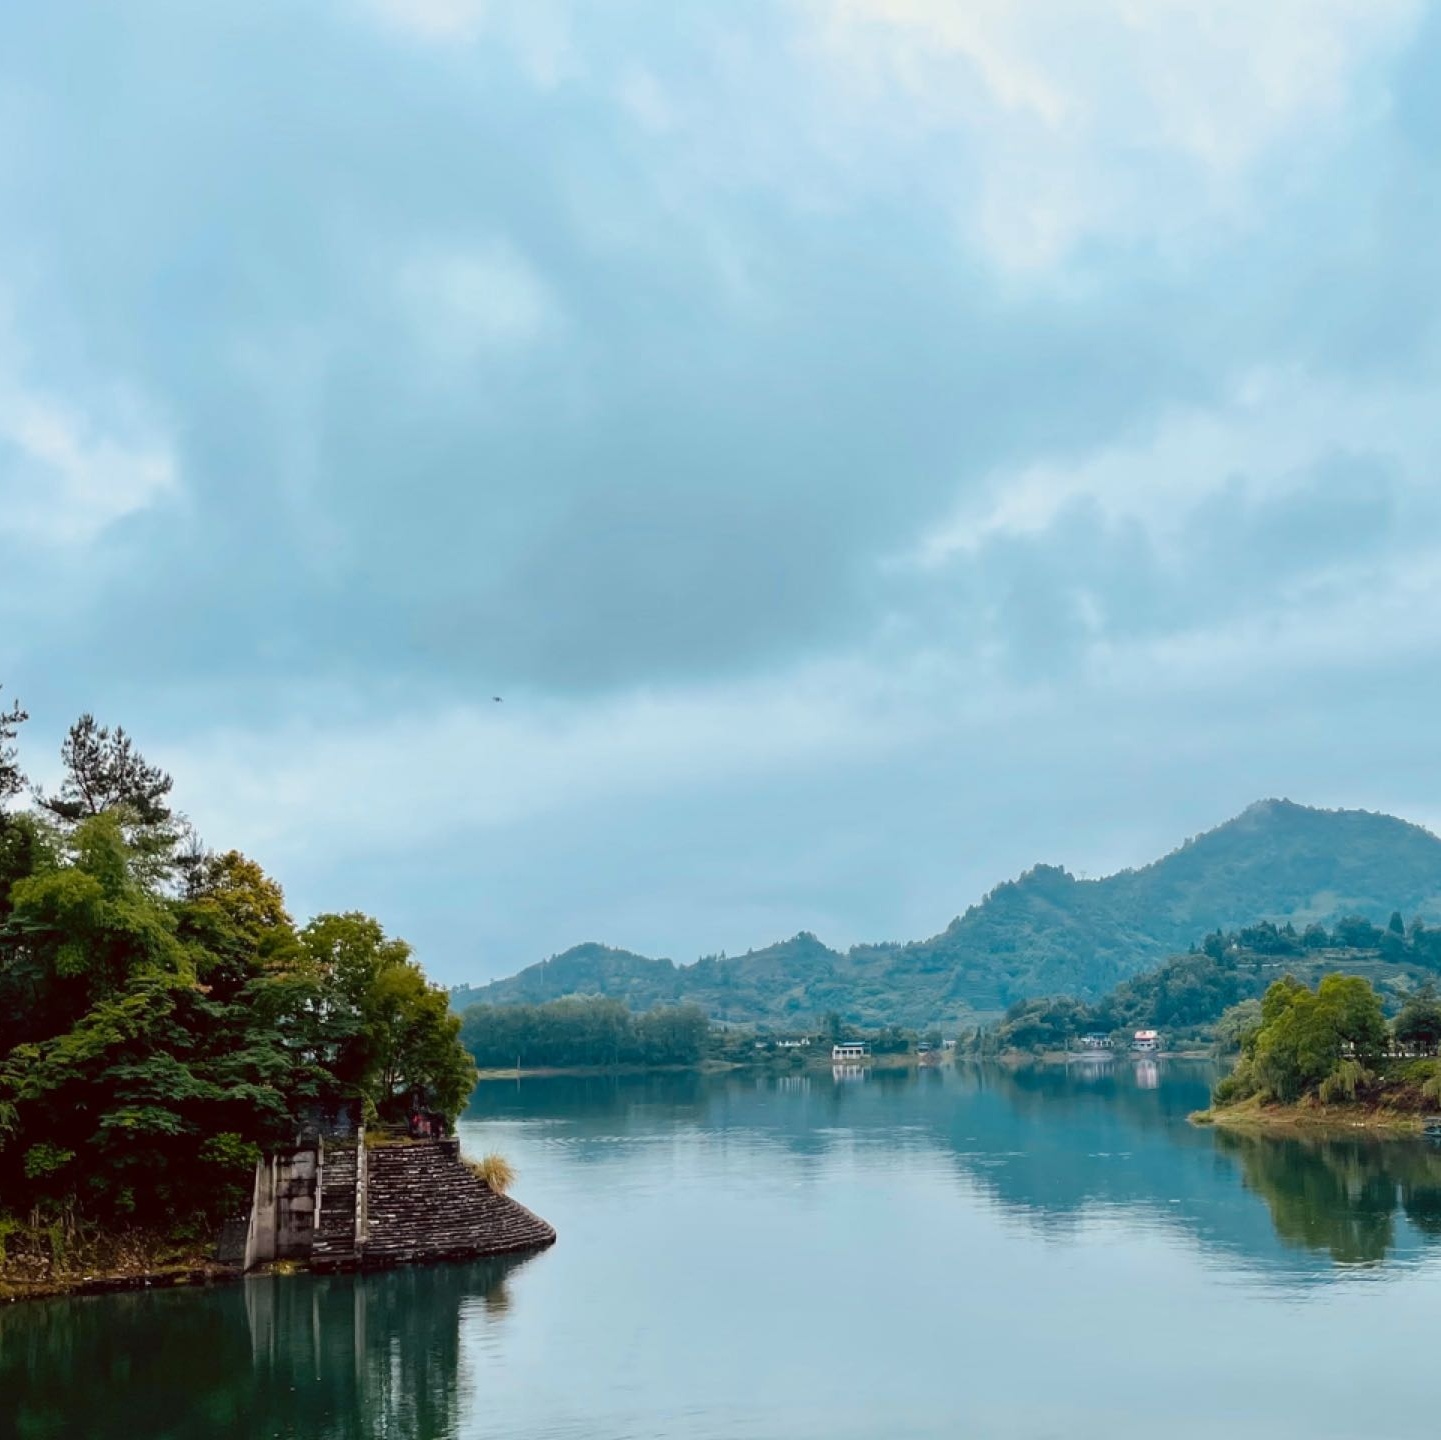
{"points": [[282, 1212], [339, 1206]]}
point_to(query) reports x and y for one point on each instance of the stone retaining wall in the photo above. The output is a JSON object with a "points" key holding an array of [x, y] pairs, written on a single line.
{"points": [[345, 1205]]}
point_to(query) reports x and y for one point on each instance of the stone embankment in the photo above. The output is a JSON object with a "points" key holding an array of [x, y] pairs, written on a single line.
{"points": [[335, 1205], [425, 1203]]}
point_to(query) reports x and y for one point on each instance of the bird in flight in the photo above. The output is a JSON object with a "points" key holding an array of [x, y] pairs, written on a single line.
{"points": [[496, 698]]}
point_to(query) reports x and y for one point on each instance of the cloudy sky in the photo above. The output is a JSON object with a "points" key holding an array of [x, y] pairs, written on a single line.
{"points": [[871, 445]]}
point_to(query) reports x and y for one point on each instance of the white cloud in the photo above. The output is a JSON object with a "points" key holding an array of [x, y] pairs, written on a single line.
{"points": [[646, 100], [463, 303], [64, 479], [1106, 118], [1273, 428], [467, 768], [537, 32], [438, 20]]}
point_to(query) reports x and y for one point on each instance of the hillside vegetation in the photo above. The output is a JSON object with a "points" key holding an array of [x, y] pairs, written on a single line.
{"points": [[1210, 995], [1046, 933]]}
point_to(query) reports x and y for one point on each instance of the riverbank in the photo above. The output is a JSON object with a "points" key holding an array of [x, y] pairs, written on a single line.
{"points": [[1311, 1117], [39, 1263]]}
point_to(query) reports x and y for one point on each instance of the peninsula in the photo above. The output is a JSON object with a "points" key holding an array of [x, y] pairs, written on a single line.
{"points": [[168, 1036], [1326, 1058]]}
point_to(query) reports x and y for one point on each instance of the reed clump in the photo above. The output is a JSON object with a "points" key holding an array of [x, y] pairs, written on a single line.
{"points": [[495, 1170]]}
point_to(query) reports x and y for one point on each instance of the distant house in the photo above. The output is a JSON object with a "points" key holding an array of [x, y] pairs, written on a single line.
{"points": [[1096, 1042], [1146, 1040], [855, 1051], [793, 1043]]}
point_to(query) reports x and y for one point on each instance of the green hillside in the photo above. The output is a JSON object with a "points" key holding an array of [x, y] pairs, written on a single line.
{"points": [[1189, 995], [1046, 933]]}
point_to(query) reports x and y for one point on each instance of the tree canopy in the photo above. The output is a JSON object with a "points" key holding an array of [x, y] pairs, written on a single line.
{"points": [[162, 1021], [1323, 1042]]}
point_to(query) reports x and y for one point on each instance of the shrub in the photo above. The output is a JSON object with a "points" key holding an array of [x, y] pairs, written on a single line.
{"points": [[495, 1170], [1344, 1081]]}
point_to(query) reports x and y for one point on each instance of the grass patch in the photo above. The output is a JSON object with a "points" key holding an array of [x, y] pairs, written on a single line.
{"points": [[495, 1170]]}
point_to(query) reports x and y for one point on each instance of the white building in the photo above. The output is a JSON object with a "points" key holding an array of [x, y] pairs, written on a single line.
{"points": [[856, 1051]]}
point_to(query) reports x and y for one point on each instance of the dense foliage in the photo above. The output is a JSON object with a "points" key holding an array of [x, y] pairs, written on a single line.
{"points": [[1327, 1042], [1049, 932], [1195, 998], [580, 1031], [161, 1015]]}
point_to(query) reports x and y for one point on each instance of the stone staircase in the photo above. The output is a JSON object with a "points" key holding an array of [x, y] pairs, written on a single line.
{"points": [[424, 1203], [334, 1243]]}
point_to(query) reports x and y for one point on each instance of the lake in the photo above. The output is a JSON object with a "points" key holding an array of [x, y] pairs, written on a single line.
{"points": [[969, 1252]]}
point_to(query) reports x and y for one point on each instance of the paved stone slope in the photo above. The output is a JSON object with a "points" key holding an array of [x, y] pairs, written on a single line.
{"points": [[424, 1203]]}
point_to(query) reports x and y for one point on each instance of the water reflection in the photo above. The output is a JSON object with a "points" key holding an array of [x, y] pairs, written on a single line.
{"points": [[957, 1251], [1342, 1197], [1054, 1146], [336, 1358]]}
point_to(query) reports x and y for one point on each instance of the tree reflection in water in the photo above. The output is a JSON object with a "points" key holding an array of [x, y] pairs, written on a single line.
{"points": [[1340, 1196], [337, 1358]]}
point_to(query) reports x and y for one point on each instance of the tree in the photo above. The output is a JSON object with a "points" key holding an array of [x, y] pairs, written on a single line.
{"points": [[1418, 1026], [12, 780], [121, 1056], [381, 1027], [1237, 1025], [104, 771], [1355, 932], [155, 1038], [1306, 1035]]}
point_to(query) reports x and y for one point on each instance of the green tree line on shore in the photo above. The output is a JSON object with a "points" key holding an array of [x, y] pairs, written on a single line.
{"points": [[592, 1030], [162, 1016], [584, 1031]]}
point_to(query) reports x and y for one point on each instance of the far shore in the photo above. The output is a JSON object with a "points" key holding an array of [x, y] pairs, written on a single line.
{"points": [[770, 1063], [822, 1061]]}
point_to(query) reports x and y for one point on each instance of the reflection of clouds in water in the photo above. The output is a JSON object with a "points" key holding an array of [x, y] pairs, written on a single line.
{"points": [[1061, 1150]]}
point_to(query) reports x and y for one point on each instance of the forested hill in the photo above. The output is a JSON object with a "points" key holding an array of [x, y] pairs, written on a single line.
{"points": [[1046, 933]]}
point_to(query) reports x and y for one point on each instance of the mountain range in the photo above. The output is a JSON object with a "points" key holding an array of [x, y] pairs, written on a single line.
{"points": [[1044, 933]]}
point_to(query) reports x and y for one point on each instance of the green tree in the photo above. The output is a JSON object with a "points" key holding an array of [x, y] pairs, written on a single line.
{"points": [[12, 778], [1305, 1036], [104, 771], [1418, 1026], [381, 1027], [117, 1081], [1238, 1023]]}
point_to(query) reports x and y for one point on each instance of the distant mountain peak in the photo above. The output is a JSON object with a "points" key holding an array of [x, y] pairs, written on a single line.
{"points": [[1044, 932]]}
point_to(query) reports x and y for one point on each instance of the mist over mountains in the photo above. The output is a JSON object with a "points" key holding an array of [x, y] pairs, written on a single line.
{"points": [[1044, 933]]}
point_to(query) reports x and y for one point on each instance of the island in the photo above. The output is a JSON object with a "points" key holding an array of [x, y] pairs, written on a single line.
{"points": [[1327, 1058]]}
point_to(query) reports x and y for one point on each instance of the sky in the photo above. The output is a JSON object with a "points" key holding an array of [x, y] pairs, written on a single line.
{"points": [[871, 446]]}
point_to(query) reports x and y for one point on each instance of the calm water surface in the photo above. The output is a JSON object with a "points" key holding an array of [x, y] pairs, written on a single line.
{"points": [[955, 1253]]}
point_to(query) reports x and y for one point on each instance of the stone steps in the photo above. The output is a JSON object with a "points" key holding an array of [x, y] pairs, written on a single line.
{"points": [[335, 1234], [423, 1202]]}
